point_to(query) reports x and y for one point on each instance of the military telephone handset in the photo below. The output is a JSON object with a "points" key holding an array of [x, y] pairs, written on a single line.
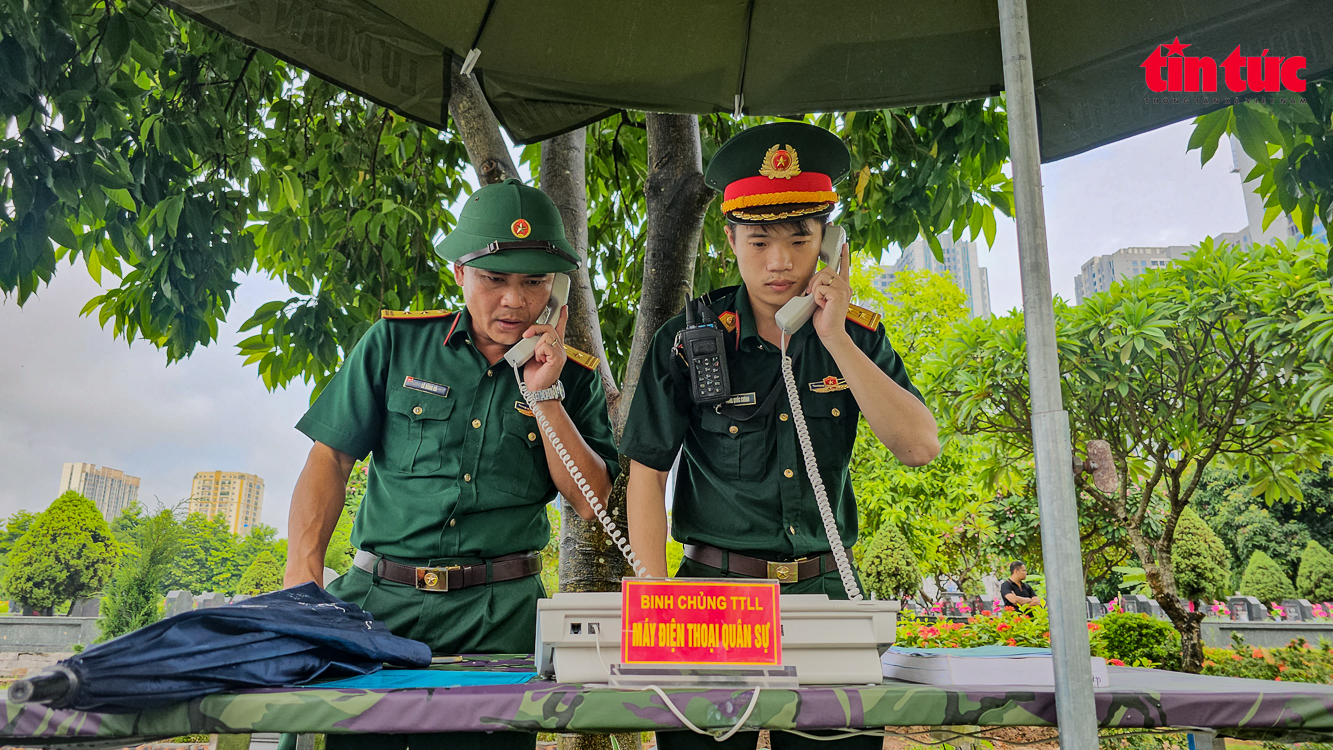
{"points": [[790, 318], [799, 309], [518, 355]]}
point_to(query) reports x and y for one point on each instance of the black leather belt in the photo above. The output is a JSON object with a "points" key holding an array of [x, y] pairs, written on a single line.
{"points": [[785, 572], [450, 578]]}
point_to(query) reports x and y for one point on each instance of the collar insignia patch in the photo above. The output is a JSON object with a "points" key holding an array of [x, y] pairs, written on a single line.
{"points": [[728, 320], [830, 384]]}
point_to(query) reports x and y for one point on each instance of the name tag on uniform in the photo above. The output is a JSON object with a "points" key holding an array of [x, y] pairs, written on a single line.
{"points": [[522, 408], [743, 399], [829, 385], [425, 386]]}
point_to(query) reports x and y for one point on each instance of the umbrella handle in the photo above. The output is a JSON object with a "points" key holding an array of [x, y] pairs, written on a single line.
{"points": [[55, 686]]}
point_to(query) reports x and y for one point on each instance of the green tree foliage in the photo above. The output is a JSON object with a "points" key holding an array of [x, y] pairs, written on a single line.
{"points": [[171, 157], [126, 523], [263, 575], [15, 527], [135, 594], [1202, 563], [208, 557], [888, 567], [1315, 579], [1247, 523], [1218, 357], [1264, 580], [67, 553], [1292, 146]]}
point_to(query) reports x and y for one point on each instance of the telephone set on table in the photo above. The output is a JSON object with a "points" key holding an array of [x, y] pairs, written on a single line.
{"points": [[799, 309], [519, 354]]}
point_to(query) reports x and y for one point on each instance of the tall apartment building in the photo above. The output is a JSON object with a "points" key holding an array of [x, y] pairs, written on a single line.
{"points": [[1101, 271], [112, 490], [960, 262], [237, 496]]}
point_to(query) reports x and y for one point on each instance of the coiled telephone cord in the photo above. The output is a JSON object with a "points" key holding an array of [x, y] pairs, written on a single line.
{"points": [[812, 471], [597, 507]]}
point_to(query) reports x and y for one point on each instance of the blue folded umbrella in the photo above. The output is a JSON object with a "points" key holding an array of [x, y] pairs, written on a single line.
{"points": [[284, 638]]}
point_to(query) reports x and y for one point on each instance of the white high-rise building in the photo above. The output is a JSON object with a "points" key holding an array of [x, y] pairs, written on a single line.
{"points": [[1101, 271], [960, 262], [111, 489]]}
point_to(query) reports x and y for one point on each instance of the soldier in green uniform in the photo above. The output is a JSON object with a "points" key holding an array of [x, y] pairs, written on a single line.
{"points": [[743, 503], [453, 520]]}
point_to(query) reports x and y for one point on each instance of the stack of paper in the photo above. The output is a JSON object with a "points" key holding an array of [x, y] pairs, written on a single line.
{"points": [[985, 665]]}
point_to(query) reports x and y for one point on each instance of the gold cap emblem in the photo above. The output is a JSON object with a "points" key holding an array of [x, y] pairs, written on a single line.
{"points": [[780, 163], [521, 228]]}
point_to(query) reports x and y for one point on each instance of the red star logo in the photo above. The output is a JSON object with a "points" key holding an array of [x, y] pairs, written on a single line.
{"points": [[1175, 48], [782, 159], [830, 380]]}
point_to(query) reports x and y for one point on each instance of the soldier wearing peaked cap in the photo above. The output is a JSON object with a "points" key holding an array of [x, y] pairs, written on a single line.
{"points": [[744, 505], [449, 533]]}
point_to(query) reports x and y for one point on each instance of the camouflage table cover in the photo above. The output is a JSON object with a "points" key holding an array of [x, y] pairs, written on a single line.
{"points": [[1138, 698]]}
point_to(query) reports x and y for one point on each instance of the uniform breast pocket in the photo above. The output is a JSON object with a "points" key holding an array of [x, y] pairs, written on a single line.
{"points": [[736, 450], [524, 455], [418, 431], [831, 419]]}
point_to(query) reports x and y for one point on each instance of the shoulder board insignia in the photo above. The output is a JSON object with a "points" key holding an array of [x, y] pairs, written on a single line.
{"points": [[863, 317], [728, 320], [583, 358], [414, 314]]}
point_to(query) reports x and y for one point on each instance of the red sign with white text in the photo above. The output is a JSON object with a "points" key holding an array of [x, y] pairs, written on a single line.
{"points": [[700, 621]]}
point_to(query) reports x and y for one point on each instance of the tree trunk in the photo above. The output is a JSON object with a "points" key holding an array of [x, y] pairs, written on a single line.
{"points": [[589, 560], [479, 129], [1161, 576], [677, 202], [562, 179]]}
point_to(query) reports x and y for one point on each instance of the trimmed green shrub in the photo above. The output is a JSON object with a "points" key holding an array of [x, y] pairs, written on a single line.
{"points": [[264, 575], [1131, 637], [1314, 581], [888, 567], [67, 553], [1201, 561], [1265, 581]]}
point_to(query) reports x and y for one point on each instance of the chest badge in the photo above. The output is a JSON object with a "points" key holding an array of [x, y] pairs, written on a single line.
{"points": [[743, 399], [830, 384], [522, 408], [425, 386]]}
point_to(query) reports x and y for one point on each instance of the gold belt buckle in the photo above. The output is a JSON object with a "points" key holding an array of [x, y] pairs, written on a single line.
{"points": [[785, 572], [434, 579]]}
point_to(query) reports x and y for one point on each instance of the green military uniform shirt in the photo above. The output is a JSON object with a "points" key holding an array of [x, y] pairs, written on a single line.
{"points": [[459, 467], [742, 485]]}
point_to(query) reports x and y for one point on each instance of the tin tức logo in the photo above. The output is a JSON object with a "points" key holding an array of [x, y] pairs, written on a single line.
{"points": [[1176, 71]]}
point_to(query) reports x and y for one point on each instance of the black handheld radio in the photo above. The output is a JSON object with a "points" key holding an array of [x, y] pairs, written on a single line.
{"points": [[705, 355]]}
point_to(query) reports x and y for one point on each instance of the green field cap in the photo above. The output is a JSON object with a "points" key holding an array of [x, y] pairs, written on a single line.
{"points": [[509, 227]]}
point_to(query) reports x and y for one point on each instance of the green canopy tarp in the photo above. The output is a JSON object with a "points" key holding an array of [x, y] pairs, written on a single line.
{"points": [[548, 67]]}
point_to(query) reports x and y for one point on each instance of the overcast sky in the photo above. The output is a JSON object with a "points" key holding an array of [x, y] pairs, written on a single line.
{"points": [[72, 393]]}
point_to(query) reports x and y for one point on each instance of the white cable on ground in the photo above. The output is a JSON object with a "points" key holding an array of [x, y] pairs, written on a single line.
{"points": [[812, 471], [754, 701], [588, 494]]}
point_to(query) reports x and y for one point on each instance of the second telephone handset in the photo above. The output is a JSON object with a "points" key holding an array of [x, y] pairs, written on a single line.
{"points": [[520, 353], [799, 309]]}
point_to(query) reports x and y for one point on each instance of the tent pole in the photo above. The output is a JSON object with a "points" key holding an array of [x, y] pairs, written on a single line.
{"points": [[1062, 555]]}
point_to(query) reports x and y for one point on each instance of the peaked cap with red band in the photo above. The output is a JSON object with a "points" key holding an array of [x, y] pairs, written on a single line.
{"points": [[778, 172]]}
